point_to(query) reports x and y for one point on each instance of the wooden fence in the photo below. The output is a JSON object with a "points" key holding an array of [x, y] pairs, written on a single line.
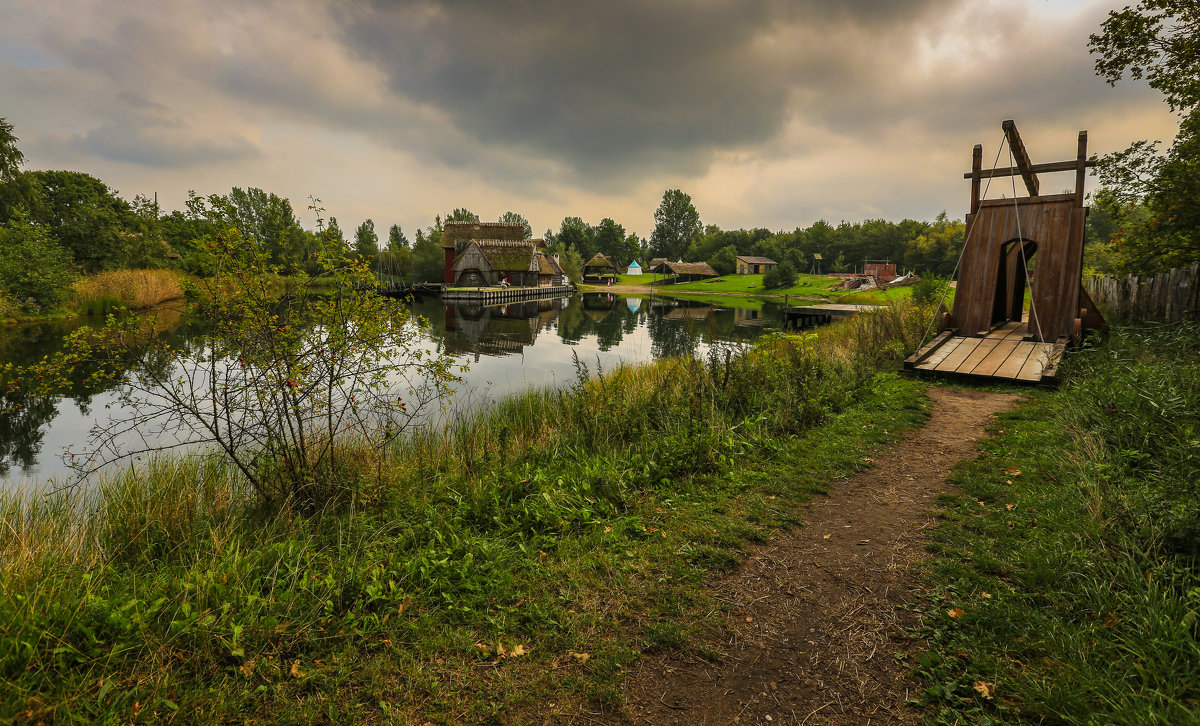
{"points": [[1169, 296]]}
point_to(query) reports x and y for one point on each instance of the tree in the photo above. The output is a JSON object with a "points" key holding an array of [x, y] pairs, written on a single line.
{"points": [[574, 232], [33, 267], [428, 259], [1159, 41], [725, 260], [396, 238], [145, 248], [514, 218], [676, 224], [334, 231], [366, 242], [780, 276], [14, 186], [83, 215], [460, 214]]}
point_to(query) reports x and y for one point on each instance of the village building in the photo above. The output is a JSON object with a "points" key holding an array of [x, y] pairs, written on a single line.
{"points": [[754, 265], [485, 263], [599, 268], [677, 272], [456, 236], [884, 272]]}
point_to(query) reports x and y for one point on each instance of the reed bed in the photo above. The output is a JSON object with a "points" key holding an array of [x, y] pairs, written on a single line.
{"points": [[102, 293]]}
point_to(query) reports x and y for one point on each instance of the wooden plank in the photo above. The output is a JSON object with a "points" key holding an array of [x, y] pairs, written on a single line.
{"points": [[1021, 156], [940, 355], [1027, 200], [1081, 167], [1047, 168], [928, 349], [958, 355], [977, 356], [1015, 360], [1000, 353], [1050, 372], [1037, 361]]}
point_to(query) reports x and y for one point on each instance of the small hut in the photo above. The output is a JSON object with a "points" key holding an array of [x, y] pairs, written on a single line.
{"points": [[634, 268], [677, 272], [600, 268], [754, 265]]}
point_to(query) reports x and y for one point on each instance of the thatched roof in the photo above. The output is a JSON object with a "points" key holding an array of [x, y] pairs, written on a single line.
{"points": [[457, 234], [655, 262], [757, 260], [702, 269], [599, 260], [504, 256], [547, 265]]}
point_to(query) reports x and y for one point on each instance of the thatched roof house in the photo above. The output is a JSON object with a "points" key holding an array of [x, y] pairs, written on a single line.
{"points": [[754, 265], [684, 271], [600, 267]]}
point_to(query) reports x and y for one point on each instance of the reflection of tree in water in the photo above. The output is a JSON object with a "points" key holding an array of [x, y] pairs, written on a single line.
{"points": [[23, 420]]}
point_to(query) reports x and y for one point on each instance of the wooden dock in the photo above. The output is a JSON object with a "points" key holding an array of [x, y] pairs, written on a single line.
{"points": [[803, 316], [1003, 354], [500, 295]]}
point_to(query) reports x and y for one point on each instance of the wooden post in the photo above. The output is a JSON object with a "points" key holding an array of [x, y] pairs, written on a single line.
{"points": [[1021, 156], [976, 166], [1081, 167]]}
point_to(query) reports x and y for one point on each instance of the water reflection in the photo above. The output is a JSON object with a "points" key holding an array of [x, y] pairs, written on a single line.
{"points": [[508, 348]]}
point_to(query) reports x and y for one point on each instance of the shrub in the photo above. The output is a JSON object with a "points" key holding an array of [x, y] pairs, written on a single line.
{"points": [[929, 290], [32, 266], [780, 276], [133, 289]]}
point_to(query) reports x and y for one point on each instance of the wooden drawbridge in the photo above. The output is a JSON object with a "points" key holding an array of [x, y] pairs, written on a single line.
{"points": [[1020, 299]]}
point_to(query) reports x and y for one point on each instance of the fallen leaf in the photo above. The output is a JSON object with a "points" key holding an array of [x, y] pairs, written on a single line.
{"points": [[955, 613], [1012, 471], [987, 594], [296, 672], [607, 528], [1010, 506], [248, 667], [1008, 482], [749, 619], [519, 650], [1111, 620], [981, 503], [984, 689], [581, 657], [827, 536], [387, 642]]}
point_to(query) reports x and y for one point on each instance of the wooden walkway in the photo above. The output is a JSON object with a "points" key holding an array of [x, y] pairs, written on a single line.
{"points": [[1001, 355]]}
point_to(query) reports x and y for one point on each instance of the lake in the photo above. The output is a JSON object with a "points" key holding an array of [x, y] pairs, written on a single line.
{"points": [[507, 349]]}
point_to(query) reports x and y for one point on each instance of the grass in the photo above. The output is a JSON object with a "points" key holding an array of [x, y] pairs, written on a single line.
{"points": [[1073, 550], [104, 292], [507, 568], [806, 286]]}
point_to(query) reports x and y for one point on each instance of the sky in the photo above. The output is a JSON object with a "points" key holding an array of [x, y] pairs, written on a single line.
{"points": [[769, 113]]}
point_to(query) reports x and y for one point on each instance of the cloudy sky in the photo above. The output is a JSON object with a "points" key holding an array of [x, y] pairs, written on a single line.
{"points": [[770, 113]]}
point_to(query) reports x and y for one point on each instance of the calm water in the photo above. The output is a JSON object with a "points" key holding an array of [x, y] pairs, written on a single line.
{"points": [[507, 349]]}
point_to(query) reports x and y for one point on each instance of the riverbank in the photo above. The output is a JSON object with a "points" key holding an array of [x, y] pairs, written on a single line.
{"points": [[809, 289], [506, 569]]}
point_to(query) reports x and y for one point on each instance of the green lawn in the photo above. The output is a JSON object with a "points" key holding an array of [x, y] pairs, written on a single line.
{"points": [[806, 285]]}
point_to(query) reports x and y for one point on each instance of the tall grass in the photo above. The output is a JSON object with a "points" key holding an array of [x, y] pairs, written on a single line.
{"points": [[1080, 522], [104, 292], [557, 520]]}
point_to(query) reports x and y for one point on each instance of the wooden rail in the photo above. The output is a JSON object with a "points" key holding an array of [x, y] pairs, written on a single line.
{"points": [[1170, 296], [500, 295]]}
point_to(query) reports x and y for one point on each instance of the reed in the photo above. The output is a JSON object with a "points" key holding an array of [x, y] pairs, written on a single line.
{"points": [[104, 292]]}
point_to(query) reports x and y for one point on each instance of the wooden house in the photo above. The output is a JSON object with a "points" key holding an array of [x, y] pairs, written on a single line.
{"points": [[684, 271], [882, 271], [550, 272], [456, 236], [483, 263], [599, 268], [754, 265]]}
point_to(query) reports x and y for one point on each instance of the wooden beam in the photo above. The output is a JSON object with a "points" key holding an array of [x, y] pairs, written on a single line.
{"points": [[1047, 168], [1080, 167], [1021, 156], [976, 165]]}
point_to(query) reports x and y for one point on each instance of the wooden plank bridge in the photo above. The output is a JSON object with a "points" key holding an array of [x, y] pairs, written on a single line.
{"points": [[1004, 353]]}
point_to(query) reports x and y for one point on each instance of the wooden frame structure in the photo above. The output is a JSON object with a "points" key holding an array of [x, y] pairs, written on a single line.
{"points": [[1003, 236]]}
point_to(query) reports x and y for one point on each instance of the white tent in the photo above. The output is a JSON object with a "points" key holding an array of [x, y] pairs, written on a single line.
{"points": [[634, 268]]}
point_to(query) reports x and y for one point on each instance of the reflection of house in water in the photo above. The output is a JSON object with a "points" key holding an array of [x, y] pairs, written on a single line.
{"points": [[749, 317], [679, 309], [498, 329], [598, 305]]}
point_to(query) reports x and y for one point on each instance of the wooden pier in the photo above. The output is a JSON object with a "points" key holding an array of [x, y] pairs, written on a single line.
{"points": [[803, 316], [501, 295], [1003, 354]]}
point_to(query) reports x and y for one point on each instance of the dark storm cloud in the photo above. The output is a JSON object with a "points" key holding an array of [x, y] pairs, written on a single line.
{"points": [[610, 86]]}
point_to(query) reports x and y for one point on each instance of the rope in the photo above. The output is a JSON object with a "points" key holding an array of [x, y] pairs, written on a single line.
{"points": [[1024, 260], [966, 241]]}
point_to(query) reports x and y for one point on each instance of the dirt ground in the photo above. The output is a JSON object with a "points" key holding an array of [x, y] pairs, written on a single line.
{"points": [[817, 616]]}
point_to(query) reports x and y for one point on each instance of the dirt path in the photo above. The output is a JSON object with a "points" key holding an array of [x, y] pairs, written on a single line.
{"points": [[817, 615]]}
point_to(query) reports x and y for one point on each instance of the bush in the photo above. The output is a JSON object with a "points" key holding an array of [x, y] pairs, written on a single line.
{"points": [[32, 266], [780, 276], [929, 290]]}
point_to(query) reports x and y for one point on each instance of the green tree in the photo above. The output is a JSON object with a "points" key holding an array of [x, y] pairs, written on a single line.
{"points": [[780, 276], [460, 214], [676, 224], [145, 248], [366, 241], [396, 238], [725, 260], [574, 232], [514, 218], [334, 231], [428, 259], [1159, 41], [33, 267], [14, 186], [83, 215]]}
